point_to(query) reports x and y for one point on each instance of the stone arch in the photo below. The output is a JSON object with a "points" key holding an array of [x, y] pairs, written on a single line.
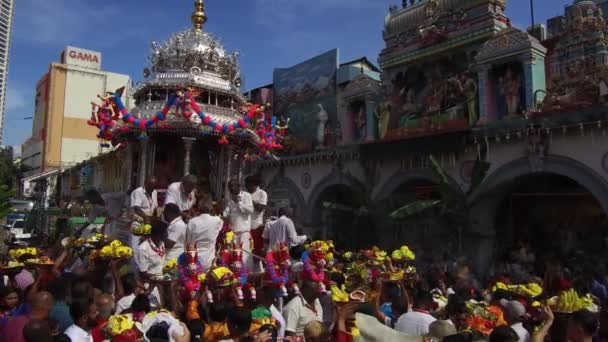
{"points": [[481, 235], [281, 181], [335, 178], [559, 165], [401, 177]]}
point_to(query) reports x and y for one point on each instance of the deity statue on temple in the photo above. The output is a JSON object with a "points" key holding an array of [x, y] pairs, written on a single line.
{"points": [[511, 87], [469, 89], [322, 118], [409, 108], [383, 115], [361, 123]]}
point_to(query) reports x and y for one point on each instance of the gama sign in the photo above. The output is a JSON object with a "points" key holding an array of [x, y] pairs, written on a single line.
{"points": [[82, 58]]}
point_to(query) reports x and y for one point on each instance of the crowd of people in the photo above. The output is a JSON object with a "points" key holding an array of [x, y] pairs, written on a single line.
{"points": [[196, 270]]}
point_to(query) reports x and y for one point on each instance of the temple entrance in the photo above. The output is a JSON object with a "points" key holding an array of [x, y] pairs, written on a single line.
{"points": [[343, 217], [550, 214], [168, 159], [420, 232]]}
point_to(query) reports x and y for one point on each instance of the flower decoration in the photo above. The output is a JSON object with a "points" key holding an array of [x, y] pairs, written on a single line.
{"points": [[18, 253], [116, 250], [223, 276], [229, 237], [531, 290], [170, 265], [570, 301], [403, 254], [142, 229], [119, 324]]}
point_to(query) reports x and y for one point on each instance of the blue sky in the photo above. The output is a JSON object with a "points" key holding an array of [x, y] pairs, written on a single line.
{"points": [[268, 33]]}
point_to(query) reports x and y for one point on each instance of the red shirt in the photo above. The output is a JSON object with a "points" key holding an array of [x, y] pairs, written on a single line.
{"points": [[341, 336], [97, 332], [13, 330]]}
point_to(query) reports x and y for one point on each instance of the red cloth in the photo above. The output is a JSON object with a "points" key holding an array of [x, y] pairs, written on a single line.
{"points": [[97, 332], [258, 242], [13, 330], [341, 336]]}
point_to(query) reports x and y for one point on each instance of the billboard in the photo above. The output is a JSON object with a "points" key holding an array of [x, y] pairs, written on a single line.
{"points": [[81, 57], [306, 94]]}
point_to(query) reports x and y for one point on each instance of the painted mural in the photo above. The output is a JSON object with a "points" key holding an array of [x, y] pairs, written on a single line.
{"points": [[431, 97], [306, 94]]}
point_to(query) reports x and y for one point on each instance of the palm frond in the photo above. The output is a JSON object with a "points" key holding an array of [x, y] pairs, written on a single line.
{"points": [[413, 209]]}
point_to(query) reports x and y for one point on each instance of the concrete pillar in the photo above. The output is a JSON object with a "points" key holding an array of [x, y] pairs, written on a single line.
{"points": [[188, 141], [143, 162], [484, 95], [370, 107], [128, 173]]}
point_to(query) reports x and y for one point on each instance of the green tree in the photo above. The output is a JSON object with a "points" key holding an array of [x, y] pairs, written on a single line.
{"points": [[5, 195], [454, 205]]}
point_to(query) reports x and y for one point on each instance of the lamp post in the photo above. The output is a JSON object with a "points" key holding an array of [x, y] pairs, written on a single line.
{"points": [[532, 12]]}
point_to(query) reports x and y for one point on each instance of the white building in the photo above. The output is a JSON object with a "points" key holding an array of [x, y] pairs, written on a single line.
{"points": [[6, 24], [60, 134]]}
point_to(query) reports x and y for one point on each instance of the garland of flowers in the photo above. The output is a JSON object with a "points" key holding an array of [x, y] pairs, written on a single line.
{"points": [[276, 279], [268, 133]]}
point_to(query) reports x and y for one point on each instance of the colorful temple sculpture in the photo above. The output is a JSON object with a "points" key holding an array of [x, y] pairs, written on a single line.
{"points": [[511, 70], [190, 116], [577, 65], [429, 64]]}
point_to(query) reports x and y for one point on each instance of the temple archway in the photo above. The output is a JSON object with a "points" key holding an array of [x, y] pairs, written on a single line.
{"points": [[338, 209], [553, 210]]}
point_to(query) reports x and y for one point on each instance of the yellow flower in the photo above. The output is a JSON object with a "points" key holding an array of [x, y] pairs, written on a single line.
{"points": [[202, 277], [397, 255], [329, 257], [119, 324], [147, 229], [338, 295], [31, 250], [115, 244], [397, 275], [380, 255], [407, 253], [123, 252], [499, 286], [171, 264], [229, 237], [348, 255], [106, 251]]}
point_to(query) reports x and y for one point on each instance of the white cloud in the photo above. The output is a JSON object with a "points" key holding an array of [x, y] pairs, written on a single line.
{"points": [[16, 98]]}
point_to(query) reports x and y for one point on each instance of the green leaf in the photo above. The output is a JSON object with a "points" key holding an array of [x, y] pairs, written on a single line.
{"points": [[478, 174], [413, 208], [5, 196]]}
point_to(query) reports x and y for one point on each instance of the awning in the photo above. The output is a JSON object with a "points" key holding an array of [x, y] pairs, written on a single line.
{"points": [[42, 175]]}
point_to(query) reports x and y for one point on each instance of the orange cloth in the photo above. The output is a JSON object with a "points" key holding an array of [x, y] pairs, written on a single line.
{"points": [[215, 331], [497, 310]]}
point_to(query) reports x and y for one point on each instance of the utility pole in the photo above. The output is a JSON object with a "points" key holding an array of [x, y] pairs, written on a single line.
{"points": [[532, 12]]}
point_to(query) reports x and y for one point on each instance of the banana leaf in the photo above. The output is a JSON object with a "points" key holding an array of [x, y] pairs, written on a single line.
{"points": [[343, 207], [414, 208]]}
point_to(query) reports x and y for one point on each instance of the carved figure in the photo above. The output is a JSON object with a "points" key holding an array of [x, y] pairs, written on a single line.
{"points": [[383, 115], [511, 88], [322, 118]]}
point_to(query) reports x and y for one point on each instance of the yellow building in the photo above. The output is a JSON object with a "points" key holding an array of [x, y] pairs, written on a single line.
{"points": [[60, 135]]}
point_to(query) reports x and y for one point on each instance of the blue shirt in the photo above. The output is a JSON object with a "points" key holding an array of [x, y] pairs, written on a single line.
{"points": [[61, 313]]}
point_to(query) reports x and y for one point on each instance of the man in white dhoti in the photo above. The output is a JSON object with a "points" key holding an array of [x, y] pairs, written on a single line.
{"points": [[202, 231], [238, 212], [176, 232]]}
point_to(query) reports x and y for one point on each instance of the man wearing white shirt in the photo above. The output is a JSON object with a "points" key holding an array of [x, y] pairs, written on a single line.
{"points": [[176, 232], [85, 319], [260, 200], [110, 205], [151, 256], [282, 231], [417, 321], [183, 194], [144, 200], [238, 212], [202, 231]]}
